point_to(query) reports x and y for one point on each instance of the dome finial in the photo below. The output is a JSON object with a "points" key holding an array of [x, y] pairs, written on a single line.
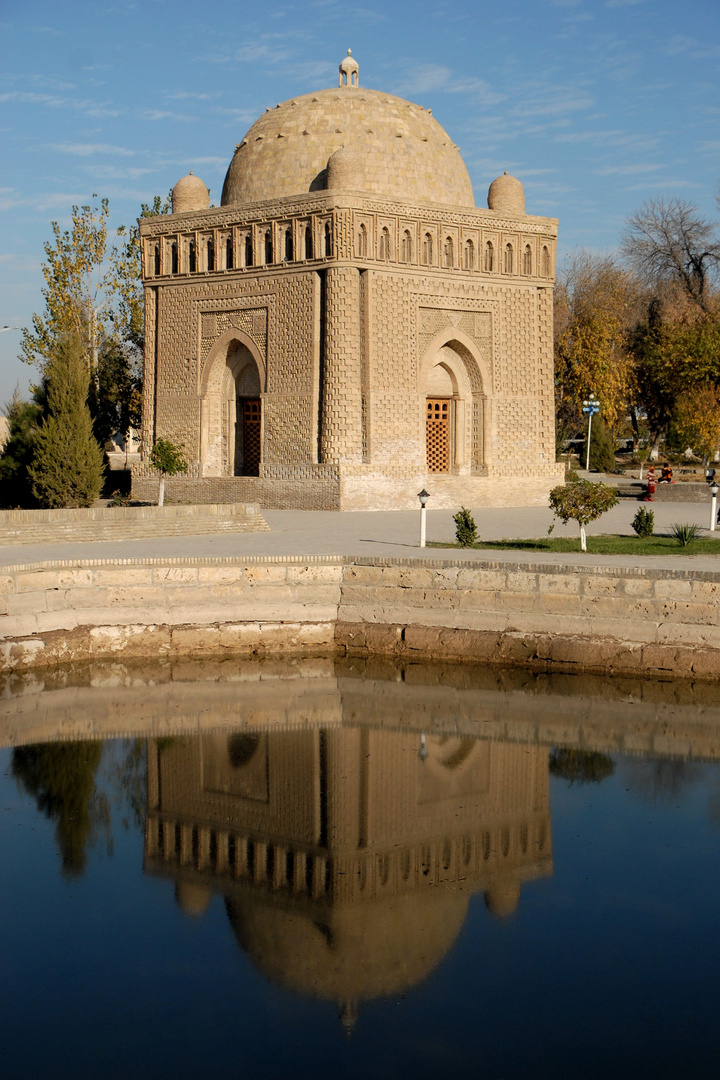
{"points": [[349, 71]]}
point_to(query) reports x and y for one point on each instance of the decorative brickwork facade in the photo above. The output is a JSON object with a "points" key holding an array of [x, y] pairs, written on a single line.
{"points": [[295, 334]]}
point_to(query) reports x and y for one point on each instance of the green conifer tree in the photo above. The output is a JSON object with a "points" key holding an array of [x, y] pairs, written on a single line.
{"points": [[602, 448], [17, 454], [67, 468]]}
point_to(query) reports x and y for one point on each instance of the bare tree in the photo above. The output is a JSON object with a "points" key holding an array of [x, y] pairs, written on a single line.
{"points": [[667, 240]]}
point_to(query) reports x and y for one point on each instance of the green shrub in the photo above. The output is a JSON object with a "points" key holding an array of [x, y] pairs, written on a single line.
{"points": [[684, 532], [644, 522], [465, 528]]}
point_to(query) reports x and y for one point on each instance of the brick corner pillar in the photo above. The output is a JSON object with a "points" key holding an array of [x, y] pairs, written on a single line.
{"points": [[341, 416], [147, 415]]}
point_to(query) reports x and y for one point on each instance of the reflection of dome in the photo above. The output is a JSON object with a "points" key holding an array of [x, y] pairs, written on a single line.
{"points": [[502, 899], [507, 195], [241, 748], [189, 194], [193, 899], [403, 152], [366, 950]]}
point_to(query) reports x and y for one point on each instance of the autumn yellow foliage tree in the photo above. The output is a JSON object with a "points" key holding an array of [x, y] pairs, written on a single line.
{"points": [[78, 288], [93, 293], [596, 305], [697, 420]]}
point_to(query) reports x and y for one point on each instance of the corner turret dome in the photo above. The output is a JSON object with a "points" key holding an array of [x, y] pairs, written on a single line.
{"points": [[344, 171], [507, 195], [403, 152], [189, 194]]}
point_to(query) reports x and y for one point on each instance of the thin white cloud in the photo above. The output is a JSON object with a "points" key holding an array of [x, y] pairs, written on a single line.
{"points": [[87, 149], [616, 137], [433, 78], [243, 116], [51, 31], [166, 114], [681, 45], [53, 101], [114, 172], [654, 184], [627, 170], [35, 79], [553, 101], [213, 162], [189, 95], [50, 200]]}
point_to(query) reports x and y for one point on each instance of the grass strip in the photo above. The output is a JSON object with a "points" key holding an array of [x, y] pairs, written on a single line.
{"points": [[598, 545]]}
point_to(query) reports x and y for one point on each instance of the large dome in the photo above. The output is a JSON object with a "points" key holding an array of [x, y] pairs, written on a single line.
{"points": [[402, 152]]}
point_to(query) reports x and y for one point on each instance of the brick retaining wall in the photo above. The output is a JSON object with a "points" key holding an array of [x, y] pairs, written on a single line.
{"points": [[603, 619], [127, 522]]}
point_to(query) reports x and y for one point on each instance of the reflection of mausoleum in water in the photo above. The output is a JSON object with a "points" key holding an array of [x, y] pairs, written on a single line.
{"points": [[347, 856]]}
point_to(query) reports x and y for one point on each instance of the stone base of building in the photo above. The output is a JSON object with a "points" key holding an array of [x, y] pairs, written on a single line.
{"points": [[352, 487]]}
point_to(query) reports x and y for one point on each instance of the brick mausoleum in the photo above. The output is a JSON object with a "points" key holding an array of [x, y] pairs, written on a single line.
{"points": [[347, 328]]}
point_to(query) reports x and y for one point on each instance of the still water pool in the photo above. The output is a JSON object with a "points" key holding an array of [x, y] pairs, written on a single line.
{"points": [[326, 870]]}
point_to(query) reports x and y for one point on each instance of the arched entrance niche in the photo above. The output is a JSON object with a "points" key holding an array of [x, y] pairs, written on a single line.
{"points": [[454, 402], [231, 408]]}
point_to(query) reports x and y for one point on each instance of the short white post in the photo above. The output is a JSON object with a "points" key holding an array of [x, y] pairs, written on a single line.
{"points": [[713, 507], [423, 496]]}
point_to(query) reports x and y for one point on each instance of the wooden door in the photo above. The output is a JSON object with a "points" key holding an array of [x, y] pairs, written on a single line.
{"points": [[251, 436]]}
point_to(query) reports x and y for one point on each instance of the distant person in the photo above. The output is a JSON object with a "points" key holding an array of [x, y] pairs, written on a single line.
{"points": [[666, 475], [650, 484]]}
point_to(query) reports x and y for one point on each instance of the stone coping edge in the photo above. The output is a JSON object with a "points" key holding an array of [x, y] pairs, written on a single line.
{"points": [[370, 560], [114, 514]]}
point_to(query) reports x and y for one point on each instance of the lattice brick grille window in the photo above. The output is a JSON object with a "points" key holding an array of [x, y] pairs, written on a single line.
{"points": [[251, 436], [438, 434]]}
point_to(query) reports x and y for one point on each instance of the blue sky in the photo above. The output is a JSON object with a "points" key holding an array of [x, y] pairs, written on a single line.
{"points": [[596, 105]]}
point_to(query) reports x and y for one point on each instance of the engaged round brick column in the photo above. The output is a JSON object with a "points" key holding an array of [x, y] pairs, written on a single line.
{"points": [[341, 422]]}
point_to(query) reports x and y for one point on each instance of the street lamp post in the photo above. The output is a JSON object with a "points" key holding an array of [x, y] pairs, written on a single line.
{"points": [[713, 506], [423, 496], [590, 408]]}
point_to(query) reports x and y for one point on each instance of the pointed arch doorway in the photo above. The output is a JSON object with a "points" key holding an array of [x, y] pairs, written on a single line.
{"points": [[243, 407], [232, 414], [455, 405]]}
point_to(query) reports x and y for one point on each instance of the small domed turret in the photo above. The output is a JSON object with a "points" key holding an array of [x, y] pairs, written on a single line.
{"points": [[349, 71], [189, 194], [507, 195], [344, 171], [502, 898], [193, 899]]}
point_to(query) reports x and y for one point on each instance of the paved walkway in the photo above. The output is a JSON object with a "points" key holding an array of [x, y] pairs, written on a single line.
{"points": [[388, 533]]}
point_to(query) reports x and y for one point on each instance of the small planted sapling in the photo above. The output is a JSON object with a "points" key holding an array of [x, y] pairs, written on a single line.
{"points": [[582, 502], [644, 522], [169, 460], [465, 528]]}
